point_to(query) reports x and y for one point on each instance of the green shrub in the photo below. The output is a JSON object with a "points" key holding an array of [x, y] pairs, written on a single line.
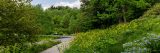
{"points": [[17, 22], [47, 37], [81, 24], [27, 47], [149, 44], [155, 10]]}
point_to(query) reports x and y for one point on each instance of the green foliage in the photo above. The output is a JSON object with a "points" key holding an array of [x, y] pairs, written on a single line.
{"points": [[17, 22], [20, 22], [43, 20], [28, 47], [111, 40], [110, 12], [47, 37], [149, 44], [81, 24], [153, 11], [62, 19]]}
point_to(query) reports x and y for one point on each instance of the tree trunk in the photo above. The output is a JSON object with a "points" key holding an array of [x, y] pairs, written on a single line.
{"points": [[124, 13], [120, 20]]}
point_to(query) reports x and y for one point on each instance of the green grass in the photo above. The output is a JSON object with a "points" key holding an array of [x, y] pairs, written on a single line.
{"points": [[27, 48], [44, 42], [47, 37], [111, 40]]}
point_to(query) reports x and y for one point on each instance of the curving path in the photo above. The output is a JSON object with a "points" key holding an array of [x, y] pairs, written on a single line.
{"points": [[65, 40]]}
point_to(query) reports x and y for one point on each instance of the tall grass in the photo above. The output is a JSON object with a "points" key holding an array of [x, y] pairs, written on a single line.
{"points": [[111, 40], [27, 47], [43, 43]]}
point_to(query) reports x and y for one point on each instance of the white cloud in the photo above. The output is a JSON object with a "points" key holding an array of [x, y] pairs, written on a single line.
{"points": [[46, 6], [48, 3], [70, 4]]}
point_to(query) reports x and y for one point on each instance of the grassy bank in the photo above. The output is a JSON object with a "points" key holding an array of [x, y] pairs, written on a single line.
{"points": [[115, 38], [43, 43]]}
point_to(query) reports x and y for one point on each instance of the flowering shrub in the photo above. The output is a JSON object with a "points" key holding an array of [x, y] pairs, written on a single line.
{"points": [[149, 44]]}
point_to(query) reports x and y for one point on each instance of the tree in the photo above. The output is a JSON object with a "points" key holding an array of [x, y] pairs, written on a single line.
{"points": [[17, 22], [109, 12]]}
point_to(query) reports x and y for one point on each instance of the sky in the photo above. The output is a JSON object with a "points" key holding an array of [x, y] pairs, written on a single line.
{"points": [[47, 3]]}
